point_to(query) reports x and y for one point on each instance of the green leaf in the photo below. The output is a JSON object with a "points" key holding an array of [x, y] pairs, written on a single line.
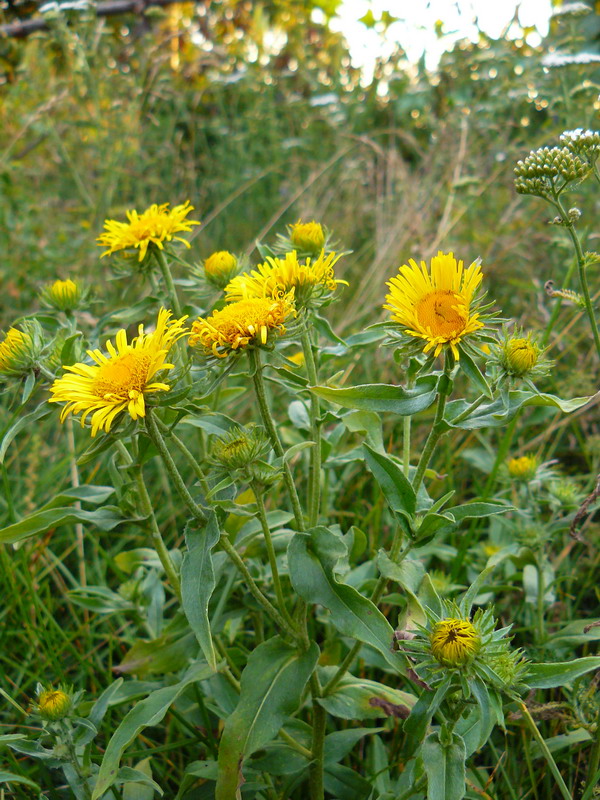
{"points": [[394, 484], [312, 558], [548, 676], [415, 727], [444, 766], [10, 777], [477, 510], [271, 688], [562, 742], [497, 413], [359, 699], [408, 573], [383, 397], [473, 373], [144, 714], [22, 423], [105, 519], [198, 582], [466, 601]]}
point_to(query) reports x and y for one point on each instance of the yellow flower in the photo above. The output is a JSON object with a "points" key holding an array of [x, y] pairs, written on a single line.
{"points": [[220, 267], [307, 236], [454, 642], [62, 295], [435, 304], [237, 325], [119, 381], [53, 704], [155, 225], [310, 279], [297, 359], [520, 356], [523, 468], [15, 352]]}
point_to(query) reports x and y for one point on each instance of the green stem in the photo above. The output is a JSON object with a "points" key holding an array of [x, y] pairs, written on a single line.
{"points": [[168, 279], [317, 767], [406, 426], [593, 766], [171, 467], [469, 410], [268, 607], [186, 454], [314, 481], [544, 748], [467, 538], [295, 744], [437, 429], [269, 423], [262, 515], [541, 591], [46, 372], [157, 540], [582, 273]]}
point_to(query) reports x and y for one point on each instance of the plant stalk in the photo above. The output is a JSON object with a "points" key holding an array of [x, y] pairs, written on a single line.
{"points": [[314, 480]]}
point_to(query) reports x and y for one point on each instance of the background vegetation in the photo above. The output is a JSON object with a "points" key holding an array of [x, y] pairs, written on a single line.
{"points": [[254, 113]]}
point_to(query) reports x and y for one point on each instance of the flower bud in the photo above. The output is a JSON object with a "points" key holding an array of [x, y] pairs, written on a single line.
{"points": [[62, 295], [523, 468], [53, 704], [454, 642], [307, 236], [520, 356], [239, 448], [20, 349], [220, 268]]}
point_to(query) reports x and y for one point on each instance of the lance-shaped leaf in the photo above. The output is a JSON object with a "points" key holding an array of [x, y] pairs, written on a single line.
{"points": [[271, 688], [312, 558], [548, 676], [149, 711], [445, 767], [382, 397], [198, 582], [394, 484]]}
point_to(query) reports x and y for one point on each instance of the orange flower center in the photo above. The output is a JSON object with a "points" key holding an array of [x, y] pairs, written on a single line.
{"points": [[125, 377], [440, 313]]}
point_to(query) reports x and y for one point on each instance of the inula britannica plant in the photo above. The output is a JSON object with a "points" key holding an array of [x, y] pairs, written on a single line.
{"points": [[310, 580]]}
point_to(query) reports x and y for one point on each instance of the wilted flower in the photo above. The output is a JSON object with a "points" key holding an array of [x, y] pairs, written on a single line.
{"points": [[249, 322], [312, 281]]}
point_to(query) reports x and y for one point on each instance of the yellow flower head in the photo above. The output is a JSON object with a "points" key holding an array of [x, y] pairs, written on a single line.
{"points": [[15, 352], [307, 236], [310, 279], [523, 468], [120, 380], [297, 359], [62, 295], [454, 642], [220, 267], [155, 226], [53, 704], [435, 304], [238, 325], [520, 356]]}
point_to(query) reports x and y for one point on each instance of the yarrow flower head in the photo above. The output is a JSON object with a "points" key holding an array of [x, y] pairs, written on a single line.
{"points": [[152, 228], [53, 704], [220, 267], [312, 281], [436, 304], [583, 143], [62, 295], [251, 322], [549, 170], [120, 380], [21, 349]]}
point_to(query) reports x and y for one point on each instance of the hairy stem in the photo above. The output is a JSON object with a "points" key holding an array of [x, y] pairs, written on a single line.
{"points": [[437, 429], [314, 481], [269, 423]]}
